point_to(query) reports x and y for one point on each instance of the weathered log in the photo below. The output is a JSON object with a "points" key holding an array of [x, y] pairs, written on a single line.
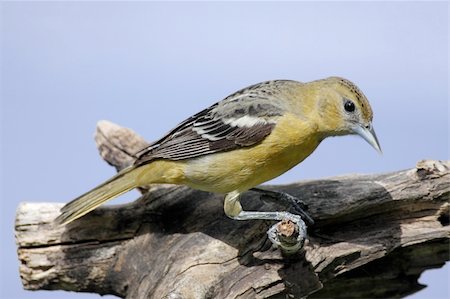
{"points": [[374, 235]]}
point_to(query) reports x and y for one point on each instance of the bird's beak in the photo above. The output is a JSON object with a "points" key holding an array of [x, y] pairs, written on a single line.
{"points": [[368, 133]]}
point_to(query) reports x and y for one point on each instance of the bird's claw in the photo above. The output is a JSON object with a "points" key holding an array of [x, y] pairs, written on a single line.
{"points": [[288, 240], [296, 205]]}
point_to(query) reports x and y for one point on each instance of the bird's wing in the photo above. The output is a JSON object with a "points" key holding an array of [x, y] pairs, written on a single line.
{"points": [[242, 119]]}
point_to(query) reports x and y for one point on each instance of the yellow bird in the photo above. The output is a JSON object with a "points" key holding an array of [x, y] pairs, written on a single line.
{"points": [[248, 138]]}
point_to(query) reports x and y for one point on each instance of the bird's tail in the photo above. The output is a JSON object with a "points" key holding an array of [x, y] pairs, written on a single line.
{"points": [[123, 182]]}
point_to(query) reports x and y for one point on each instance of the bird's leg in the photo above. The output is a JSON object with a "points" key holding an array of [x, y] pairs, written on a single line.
{"points": [[233, 209], [291, 201]]}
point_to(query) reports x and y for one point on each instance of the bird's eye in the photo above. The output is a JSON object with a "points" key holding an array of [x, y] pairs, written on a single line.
{"points": [[349, 106]]}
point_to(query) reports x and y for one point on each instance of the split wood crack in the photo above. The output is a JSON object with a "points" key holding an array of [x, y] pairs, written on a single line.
{"points": [[374, 235]]}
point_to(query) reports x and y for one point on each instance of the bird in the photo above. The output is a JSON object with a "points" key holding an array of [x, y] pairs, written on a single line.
{"points": [[242, 141]]}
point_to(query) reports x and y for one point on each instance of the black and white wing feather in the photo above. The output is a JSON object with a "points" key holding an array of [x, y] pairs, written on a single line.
{"points": [[243, 119]]}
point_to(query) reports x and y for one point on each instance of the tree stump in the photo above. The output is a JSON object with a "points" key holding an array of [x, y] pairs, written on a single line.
{"points": [[374, 235]]}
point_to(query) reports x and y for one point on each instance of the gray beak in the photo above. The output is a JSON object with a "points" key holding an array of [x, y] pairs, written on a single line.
{"points": [[368, 133]]}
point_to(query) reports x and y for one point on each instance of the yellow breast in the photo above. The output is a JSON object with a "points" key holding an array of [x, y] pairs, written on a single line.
{"points": [[291, 141]]}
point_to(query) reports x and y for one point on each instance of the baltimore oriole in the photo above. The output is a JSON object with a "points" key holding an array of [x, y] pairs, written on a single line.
{"points": [[248, 138]]}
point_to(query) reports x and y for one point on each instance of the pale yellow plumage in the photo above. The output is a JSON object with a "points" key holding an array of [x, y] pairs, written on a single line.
{"points": [[291, 141], [248, 138]]}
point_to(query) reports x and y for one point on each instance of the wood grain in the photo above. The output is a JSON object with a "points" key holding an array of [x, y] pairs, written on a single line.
{"points": [[374, 235]]}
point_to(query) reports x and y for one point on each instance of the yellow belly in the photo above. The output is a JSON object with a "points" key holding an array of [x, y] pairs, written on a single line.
{"points": [[291, 141]]}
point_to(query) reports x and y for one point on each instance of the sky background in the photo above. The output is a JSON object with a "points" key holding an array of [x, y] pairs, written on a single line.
{"points": [[148, 66]]}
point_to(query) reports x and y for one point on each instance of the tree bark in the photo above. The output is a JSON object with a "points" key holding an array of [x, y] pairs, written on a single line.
{"points": [[374, 235]]}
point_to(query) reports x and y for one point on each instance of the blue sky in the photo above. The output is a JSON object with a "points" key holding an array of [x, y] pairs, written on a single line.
{"points": [[149, 65]]}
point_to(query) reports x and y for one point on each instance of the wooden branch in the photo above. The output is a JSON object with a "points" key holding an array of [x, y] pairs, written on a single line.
{"points": [[374, 236]]}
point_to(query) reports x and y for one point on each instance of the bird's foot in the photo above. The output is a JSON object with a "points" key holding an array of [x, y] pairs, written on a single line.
{"points": [[296, 205], [289, 234]]}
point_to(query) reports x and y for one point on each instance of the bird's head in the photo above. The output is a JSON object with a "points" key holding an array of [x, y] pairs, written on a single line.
{"points": [[344, 109]]}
